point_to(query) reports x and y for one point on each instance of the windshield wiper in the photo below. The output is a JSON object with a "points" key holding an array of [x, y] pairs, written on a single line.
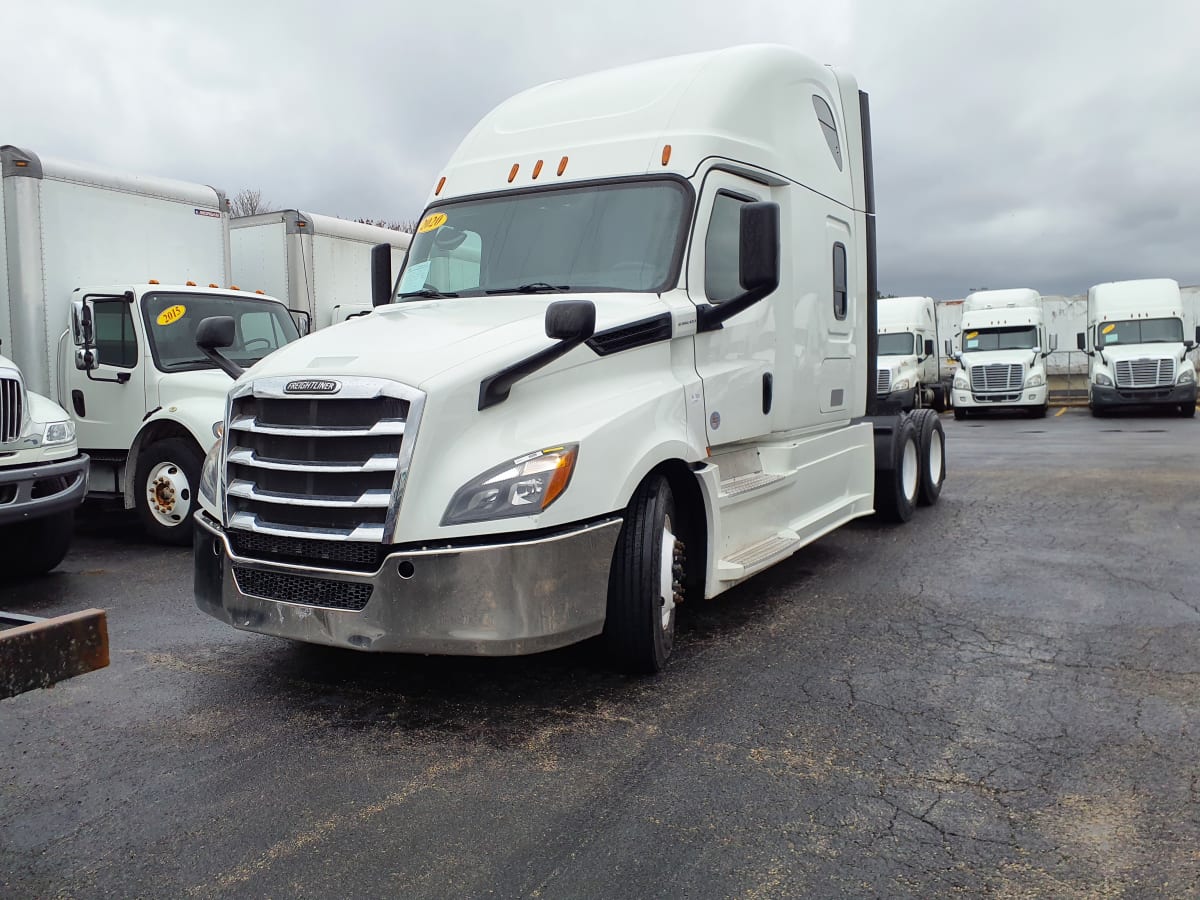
{"points": [[426, 292], [534, 287]]}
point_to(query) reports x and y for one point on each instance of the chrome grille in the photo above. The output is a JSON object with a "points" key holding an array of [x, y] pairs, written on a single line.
{"points": [[1144, 373], [883, 383], [326, 592], [997, 377], [12, 409], [358, 556], [319, 468]]}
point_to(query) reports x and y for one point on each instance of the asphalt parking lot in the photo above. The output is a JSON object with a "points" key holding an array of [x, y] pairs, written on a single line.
{"points": [[1001, 697]]}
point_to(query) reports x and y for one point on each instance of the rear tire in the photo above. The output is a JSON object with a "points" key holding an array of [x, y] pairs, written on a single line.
{"points": [[34, 548], [164, 490], [932, 442], [897, 486], [639, 625], [939, 398]]}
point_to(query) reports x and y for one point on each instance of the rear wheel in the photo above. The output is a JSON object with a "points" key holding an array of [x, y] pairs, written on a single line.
{"points": [[645, 582], [897, 484], [168, 474], [932, 442], [32, 548]]}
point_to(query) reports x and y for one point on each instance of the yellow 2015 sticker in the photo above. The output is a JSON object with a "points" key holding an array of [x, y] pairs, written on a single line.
{"points": [[171, 314], [1108, 328], [431, 222], [973, 334]]}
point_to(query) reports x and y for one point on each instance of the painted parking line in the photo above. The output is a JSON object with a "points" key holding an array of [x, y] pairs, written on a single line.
{"points": [[1060, 412]]}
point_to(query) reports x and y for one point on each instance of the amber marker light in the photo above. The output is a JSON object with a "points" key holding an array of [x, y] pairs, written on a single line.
{"points": [[190, 283], [537, 168], [152, 281], [512, 173], [562, 165], [262, 293], [561, 477], [666, 157], [441, 184], [234, 287], [213, 285]]}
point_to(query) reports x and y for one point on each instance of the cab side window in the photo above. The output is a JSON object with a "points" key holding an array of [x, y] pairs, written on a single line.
{"points": [[115, 337], [722, 249]]}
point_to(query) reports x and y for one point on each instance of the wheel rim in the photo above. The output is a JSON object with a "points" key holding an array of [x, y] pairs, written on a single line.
{"points": [[910, 469], [935, 458], [168, 494], [667, 583]]}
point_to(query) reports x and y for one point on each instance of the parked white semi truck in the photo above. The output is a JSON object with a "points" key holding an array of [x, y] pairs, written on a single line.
{"points": [[909, 370], [1002, 357], [601, 387], [317, 264], [1136, 347], [84, 316]]}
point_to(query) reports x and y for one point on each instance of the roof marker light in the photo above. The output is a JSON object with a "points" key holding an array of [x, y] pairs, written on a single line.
{"points": [[211, 284], [562, 165], [152, 281], [512, 173], [441, 184], [190, 283], [666, 157], [263, 293], [537, 168], [234, 287]]}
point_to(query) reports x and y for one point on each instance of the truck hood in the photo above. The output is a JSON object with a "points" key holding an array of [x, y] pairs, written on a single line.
{"points": [[414, 342], [175, 388], [1125, 352], [999, 357], [897, 364]]}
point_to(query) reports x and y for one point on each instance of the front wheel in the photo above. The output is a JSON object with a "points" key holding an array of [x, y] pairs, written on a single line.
{"points": [[645, 582], [33, 548], [1039, 412], [959, 413], [1188, 410], [168, 474]]}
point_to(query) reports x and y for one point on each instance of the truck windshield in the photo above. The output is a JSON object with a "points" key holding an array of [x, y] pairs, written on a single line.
{"points": [[622, 236], [1022, 337], [172, 319], [896, 344], [1140, 331]]}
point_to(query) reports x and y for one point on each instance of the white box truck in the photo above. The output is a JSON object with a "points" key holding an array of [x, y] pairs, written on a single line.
{"points": [[320, 265], [1136, 347], [84, 316], [909, 370], [1002, 358], [629, 363]]}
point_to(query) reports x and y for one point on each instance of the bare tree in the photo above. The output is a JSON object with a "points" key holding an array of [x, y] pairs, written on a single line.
{"points": [[248, 203], [408, 225]]}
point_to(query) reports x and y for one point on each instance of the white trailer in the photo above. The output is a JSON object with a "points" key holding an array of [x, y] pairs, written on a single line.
{"points": [[317, 264], [99, 307], [628, 364], [1002, 355], [909, 370], [1136, 347]]}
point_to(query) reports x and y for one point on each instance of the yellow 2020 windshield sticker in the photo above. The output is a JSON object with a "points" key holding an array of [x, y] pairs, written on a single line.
{"points": [[972, 334], [431, 222], [1108, 328], [171, 314]]}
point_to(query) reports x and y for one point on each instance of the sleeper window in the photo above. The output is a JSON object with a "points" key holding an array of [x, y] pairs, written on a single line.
{"points": [[722, 255]]}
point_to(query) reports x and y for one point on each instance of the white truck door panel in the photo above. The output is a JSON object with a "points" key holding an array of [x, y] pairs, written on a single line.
{"points": [[108, 412]]}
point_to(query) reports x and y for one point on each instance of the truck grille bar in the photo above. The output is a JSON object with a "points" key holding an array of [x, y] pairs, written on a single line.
{"points": [[319, 468], [997, 377], [12, 409], [883, 382], [1145, 373]]}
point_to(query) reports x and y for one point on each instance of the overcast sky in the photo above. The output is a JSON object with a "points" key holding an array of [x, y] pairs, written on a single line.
{"points": [[1015, 145]]}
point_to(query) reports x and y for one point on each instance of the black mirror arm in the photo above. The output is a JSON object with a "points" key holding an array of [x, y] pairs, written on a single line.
{"points": [[226, 365], [494, 389], [710, 318]]}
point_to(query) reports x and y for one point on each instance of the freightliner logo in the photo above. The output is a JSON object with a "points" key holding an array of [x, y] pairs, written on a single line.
{"points": [[311, 386]]}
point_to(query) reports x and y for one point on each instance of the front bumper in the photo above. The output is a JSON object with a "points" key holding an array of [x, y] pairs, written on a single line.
{"points": [[33, 492], [503, 599], [1036, 396], [1168, 396]]}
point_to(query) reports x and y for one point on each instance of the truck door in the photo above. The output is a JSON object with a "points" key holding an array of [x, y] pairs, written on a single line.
{"points": [[736, 362], [109, 402]]}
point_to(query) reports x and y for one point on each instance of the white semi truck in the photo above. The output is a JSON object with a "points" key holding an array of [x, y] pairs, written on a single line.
{"points": [[909, 370], [1002, 357], [85, 317], [316, 264], [629, 363], [1136, 347]]}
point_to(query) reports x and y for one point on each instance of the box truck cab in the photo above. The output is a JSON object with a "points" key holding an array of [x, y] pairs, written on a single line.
{"points": [[1002, 357], [909, 368], [119, 353], [625, 367], [1136, 347], [43, 478], [317, 264]]}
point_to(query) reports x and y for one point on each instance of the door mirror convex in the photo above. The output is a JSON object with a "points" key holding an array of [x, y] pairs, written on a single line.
{"points": [[758, 263]]}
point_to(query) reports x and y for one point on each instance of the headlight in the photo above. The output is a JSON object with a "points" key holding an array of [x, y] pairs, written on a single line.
{"points": [[1102, 380], [59, 433], [1035, 380], [960, 380], [218, 429], [901, 384], [520, 487], [1187, 375], [208, 476]]}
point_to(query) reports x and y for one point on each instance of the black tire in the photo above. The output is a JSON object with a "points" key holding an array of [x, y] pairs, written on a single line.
{"points": [[1098, 412], [1039, 412], [33, 548], [959, 413], [1187, 410], [939, 398], [932, 443], [175, 487], [898, 484], [638, 639]]}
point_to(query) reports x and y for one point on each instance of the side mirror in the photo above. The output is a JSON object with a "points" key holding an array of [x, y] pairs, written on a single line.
{"points": [[929, 347], [758, 269], [1198, 334], [87, 359], [80, 312], [571, 320], [1053, 342], [1081, 340], [949, 347], [381, 274], [215, 332]]}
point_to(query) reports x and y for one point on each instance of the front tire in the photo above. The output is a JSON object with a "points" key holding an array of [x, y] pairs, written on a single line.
{"points": [[1039, 412], [34, 548], [959, 413], [167, 477], [645, 582], [1187, 410]]}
